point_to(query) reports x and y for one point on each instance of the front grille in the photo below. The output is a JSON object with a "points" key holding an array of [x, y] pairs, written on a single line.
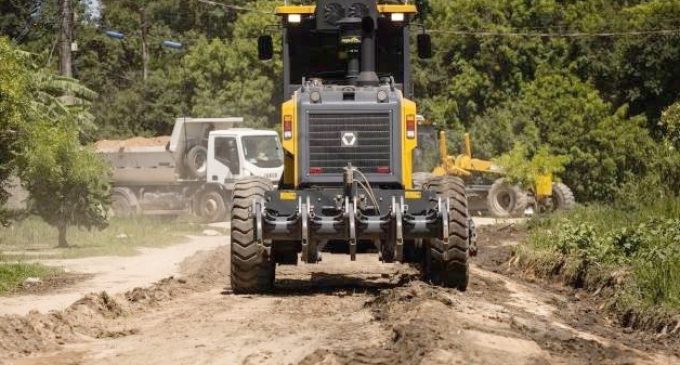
{"points": [[372, 148]]}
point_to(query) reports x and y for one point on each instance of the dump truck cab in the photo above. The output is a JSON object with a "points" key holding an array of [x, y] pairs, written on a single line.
{"points": [[349, 134], [243, 152]]}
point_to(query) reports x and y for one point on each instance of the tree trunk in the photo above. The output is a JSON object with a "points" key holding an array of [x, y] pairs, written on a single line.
{"points": [[66, 38], [62, 236], [145, 44]]}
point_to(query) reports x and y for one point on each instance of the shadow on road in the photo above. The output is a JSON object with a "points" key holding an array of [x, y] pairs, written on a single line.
{"points": [[336, 284]]}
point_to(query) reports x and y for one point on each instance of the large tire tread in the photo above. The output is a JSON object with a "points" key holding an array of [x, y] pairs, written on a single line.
{"points": [[519, 203], [251, 270], [453, 272], [563, 197]]}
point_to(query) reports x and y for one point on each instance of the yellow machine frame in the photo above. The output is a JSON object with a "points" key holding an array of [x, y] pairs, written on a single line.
{"points": [[310, 9], [289, 111], [464, 165]]}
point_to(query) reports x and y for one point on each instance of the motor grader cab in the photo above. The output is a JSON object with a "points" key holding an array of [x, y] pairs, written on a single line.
{"points": [[349, 135]]}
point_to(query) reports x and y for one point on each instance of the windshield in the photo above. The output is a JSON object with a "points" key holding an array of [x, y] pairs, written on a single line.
{"points": [[318, 54], [263, 151]]}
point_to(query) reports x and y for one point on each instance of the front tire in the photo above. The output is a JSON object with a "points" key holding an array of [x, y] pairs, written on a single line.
{"points": [[448, 265], [562, 197], [252, 271], [505, 200]]}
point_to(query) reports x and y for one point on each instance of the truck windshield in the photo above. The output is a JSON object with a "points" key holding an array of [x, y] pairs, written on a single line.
{"points": [[263, 151]]}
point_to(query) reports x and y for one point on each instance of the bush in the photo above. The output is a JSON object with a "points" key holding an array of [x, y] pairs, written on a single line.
{"points": [[585, 250], [523, 169]]}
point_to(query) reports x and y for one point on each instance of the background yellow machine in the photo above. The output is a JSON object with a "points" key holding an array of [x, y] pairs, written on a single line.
{"points": [[349, 133], [500, 199]]}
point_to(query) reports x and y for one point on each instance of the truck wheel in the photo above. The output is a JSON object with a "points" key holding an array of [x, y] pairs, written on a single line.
{"points": [[450, 270], [211, 206], [196, 161], [251, 270], [505, 200], [124, 203], [562, 197]]}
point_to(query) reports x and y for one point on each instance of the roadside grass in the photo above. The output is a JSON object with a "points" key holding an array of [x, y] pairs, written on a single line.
{"points": [[12, 275], [32, 238], [630, 257]]}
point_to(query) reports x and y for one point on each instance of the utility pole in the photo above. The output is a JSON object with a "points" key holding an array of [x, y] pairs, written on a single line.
{"points": [[66, 38], [145, 44]]}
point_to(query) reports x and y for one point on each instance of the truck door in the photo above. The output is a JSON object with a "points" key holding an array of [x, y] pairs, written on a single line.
{"points": [[223, 162]]}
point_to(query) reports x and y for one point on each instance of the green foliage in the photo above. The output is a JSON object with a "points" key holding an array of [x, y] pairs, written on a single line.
{"points": [[523, 169], [13, 275], [670, 125], [68, 185], [569, 116], [14, 106], [587, 250]]}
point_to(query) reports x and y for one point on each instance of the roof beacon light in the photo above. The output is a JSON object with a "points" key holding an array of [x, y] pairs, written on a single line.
{"points": [[397, 17], [294, 18]]}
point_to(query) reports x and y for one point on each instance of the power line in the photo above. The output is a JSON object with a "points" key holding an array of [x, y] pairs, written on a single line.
{"points": [[235, 7], [483, 33]]}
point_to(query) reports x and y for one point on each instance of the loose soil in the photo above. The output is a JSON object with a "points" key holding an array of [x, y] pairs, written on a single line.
{"points": [[113, 274], [337, 312], [106, 144]]}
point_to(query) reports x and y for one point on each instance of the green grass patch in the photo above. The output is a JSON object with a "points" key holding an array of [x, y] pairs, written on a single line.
{"points": [[34, 239], [630, 256], [12, 275]]}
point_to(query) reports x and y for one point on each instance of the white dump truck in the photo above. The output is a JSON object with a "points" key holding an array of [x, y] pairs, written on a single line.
{"points": [[195, 171]]}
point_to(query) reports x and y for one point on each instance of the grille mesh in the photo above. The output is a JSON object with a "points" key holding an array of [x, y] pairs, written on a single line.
{"points": [[373, 146]]}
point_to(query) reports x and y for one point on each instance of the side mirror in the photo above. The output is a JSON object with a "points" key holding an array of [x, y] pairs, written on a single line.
{"points": [[424, 46], [265, 48]]}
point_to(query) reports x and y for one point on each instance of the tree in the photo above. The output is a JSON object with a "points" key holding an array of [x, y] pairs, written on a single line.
{"points": [[557, 109], [14, 104], [39, 141], [220, 85], [68, 184]]}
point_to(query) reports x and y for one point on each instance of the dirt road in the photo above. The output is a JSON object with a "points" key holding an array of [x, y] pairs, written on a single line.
{"points": [[111, 274], [338, 312]]}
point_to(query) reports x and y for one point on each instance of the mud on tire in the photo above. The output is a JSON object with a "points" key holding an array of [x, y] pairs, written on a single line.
{"points": [[251, 270], [451, 270]]}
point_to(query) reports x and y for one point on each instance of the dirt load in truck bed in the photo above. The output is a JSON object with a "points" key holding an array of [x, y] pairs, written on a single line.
{"points": [[132, 142]]}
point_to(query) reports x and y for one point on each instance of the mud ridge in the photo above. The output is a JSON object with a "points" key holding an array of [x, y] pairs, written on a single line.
{"points": [[92, 315]]}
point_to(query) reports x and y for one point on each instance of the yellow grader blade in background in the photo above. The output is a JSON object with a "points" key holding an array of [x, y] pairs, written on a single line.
{"points": [[501, 198]]}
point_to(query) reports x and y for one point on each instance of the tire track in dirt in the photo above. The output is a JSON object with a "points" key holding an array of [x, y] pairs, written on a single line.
{"points": [[343, 312]]}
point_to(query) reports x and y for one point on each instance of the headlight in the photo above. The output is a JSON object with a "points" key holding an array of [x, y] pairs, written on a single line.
{"points": [[397, 17], [315, 96], [294, 18], [382, 96]]}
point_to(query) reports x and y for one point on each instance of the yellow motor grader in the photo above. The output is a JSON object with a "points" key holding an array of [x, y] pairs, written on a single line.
{"points": [[349, 133], [500, 199]]}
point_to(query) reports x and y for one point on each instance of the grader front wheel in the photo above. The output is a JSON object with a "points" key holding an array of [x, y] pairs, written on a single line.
{"points": [[446, 263], [251, 270]]}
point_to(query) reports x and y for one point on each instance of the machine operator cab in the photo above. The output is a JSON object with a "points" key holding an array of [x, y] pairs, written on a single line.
{"points": [[242, 152], [325, 42]]}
